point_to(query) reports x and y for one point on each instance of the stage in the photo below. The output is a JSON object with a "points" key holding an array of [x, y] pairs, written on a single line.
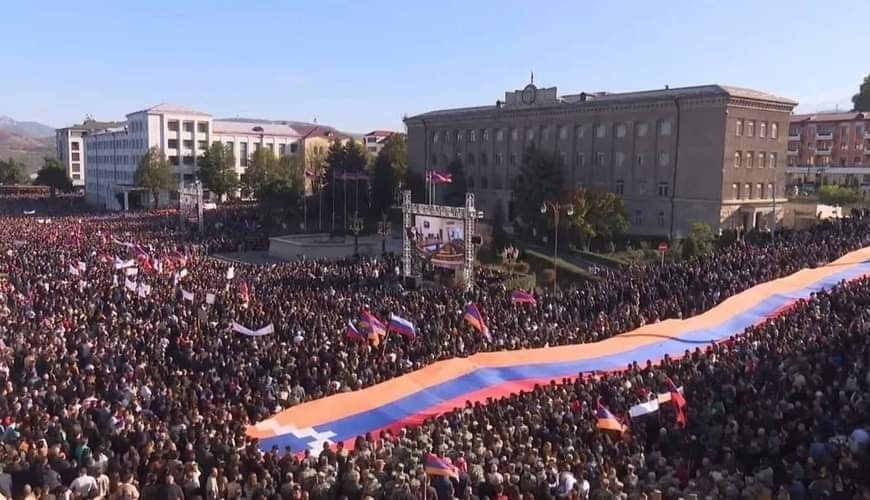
{"points": [[323, 246]]}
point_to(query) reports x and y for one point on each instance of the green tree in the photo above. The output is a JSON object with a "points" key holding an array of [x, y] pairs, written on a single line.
{"points": [[861, 100], [699, 241], [344, 162], [263, 162], [540, 180], [53, 175], [455, 191], [839, 195], [389, 171], [284, 185], [599, 215], [217, 169], [12, 172], [154, 173]]}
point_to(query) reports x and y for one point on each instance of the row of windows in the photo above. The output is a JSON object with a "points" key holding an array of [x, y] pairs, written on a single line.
{"points": [[829, 130], [620, 130], [826, 160], [747, 128], [75, 146], [660, 218], [664, 159], [119, 144], [187, 125], [137, 126], [751, 159], [745, 192]]}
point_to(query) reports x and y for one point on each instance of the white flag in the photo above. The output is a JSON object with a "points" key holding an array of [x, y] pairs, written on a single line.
{"points": [[19, 243], [131, 271], [29, 212], [209, 298], [188, 296], [182, 273], [124, 264], [82, 266], [73, 270], [143, 290], [266, 330], [130, 285], [642, 409], [231, 273]]}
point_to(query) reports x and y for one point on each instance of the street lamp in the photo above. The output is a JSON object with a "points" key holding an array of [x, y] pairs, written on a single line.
{"points": [[385, 228], [355, 225], [509, 256], [556, 208]]}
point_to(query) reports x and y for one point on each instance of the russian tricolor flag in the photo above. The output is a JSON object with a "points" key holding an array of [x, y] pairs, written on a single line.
{"points": [[521, 297], [352, 332], [474, 318], [402, 327]]}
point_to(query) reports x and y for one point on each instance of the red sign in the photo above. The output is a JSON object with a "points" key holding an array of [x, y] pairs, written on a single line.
{"points": [[663, 247]]}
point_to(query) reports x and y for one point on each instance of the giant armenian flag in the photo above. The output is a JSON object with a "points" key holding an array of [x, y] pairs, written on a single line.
{"points": [[442, 386]]}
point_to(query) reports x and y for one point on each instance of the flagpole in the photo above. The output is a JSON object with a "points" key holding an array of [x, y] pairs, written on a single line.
{"points": [[333, 201]]}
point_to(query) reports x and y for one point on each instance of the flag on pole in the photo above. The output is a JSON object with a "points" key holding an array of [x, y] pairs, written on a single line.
{"points": [[231, 273], [266, 330], [437, 466], [521, 297], [368, 322], [130, 284], [679, 402], [474, 318], [402, 326], [436, 177], [143, 290], [124, 264], [131, 271], [353, 333], [607, 421], [188, 296], [642, 409]]}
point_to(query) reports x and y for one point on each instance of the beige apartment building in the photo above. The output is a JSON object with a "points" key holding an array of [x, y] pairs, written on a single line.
{"points": [[710, 153]]}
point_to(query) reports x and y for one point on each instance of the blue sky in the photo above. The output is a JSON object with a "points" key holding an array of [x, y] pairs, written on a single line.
{"points": [[361, 65]]}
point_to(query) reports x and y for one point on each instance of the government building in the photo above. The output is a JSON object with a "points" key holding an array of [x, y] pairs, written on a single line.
{"points": [[711, 153]]}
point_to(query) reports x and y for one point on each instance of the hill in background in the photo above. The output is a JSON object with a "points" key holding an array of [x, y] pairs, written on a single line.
{"points": [[28, 142]]}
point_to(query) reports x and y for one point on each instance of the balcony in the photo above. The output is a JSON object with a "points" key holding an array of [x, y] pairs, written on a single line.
{"points": [[794, 137], [825, 136], [793, 152], [823, 152]]}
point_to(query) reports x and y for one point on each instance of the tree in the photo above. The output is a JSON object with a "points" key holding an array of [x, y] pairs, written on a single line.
{"points": [[389, 171], [53, 175], [861, 100], [699, 241], [344, 163], [455, 191], [284, 186], [540, 180], [154, 173], [12, 172], [262, 162], [598, 215], [839, 195], [217, 169]]}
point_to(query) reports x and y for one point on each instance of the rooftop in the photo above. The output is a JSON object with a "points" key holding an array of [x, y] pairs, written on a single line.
{"points": [[247, 127], [170, 109], [834, 116], [92, 125]]}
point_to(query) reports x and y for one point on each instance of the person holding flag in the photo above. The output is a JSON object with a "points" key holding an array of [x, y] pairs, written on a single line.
{"points": [[374, 327], [607, 421], [402, 326], [679, 403], [523, 297], [353, 333], [474, 318]]}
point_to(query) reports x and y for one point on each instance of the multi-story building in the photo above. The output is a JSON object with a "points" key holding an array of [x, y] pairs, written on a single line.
{"points": [[113, 154], [71, 147], [374, 140], [711, 153], [832, 146]]}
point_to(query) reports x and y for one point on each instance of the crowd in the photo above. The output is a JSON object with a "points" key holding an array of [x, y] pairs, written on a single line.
{"points": [[117, 385]]}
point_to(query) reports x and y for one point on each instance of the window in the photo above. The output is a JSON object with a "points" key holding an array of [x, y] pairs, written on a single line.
{"points": [[750, 128], [202, 144], [664, 127], [739, 128], [620, 130], [737, 157], [498, 160], [499, 136], [599, 159], [761, 159], [735, 191], [172, 125], [458, 136], [188, 126], [515, 134], [76, 167], [484, 134], [471, 159], [580, 131], [770, 192], [619, 159], [774, 130], [580, 159], [749, 158], [759, 190], [483, 159], [762, 129], [512, 159], [563, 159], [661, 219], [638, 217], [445, 137], [202, 127], [484, 182], [844, 131], [229, 146], [642, 129], [600, 131], [470, 182], [282, 149], [545, 133], [173, 160], [641, 158], [294, 147], [563, 132], [76, 157], [257, 146], [664, 189], [747, 191], [664, 158], [172, 143], [188, 144], [472, 136], [620, 187], [271, 147], [188, 160], [77, 177], [434, 160], [434, 137], [75, 146], [243, 154], [371, 140], [530, 134]]}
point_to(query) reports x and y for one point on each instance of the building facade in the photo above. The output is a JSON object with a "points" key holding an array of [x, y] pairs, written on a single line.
{"points": [[374, 141], [829, 148], [113, 154], [710, 154], [70, 145]]}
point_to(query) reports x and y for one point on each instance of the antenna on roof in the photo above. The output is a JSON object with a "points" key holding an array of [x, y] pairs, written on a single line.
{"points": [[532, 79]]}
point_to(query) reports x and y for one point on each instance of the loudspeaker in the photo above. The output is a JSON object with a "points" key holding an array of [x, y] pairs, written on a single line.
{"points": [[413, 282]]}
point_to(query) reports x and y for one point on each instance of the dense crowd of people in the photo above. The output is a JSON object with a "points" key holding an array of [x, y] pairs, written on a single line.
{"points": [[123, 385]]}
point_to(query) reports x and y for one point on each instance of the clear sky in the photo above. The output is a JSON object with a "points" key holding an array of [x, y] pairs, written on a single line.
{"points": [[361, 65]]}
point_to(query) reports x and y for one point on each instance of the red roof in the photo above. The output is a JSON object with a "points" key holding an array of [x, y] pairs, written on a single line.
{"points": [[381, 133]]}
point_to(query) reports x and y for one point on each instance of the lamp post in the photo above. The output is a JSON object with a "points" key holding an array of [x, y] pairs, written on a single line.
{"points": [[355, 225], [385, 228], [556, 208]]}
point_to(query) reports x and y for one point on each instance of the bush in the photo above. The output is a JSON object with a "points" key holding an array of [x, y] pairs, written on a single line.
{"points": [[601, 259], [522, 267]]}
